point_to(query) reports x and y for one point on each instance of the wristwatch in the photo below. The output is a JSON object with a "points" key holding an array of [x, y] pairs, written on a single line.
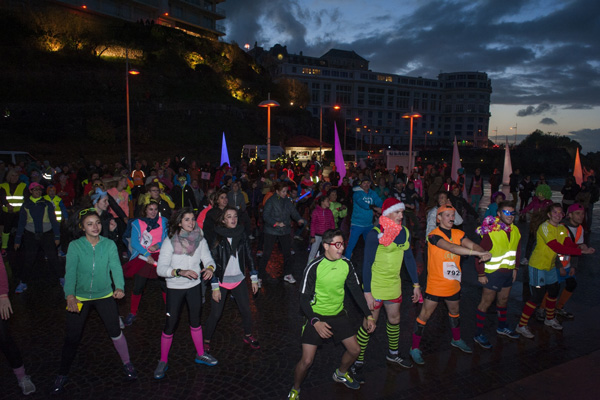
{"points": [[177, 271]]}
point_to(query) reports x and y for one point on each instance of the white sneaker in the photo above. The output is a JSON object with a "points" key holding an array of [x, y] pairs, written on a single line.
{"points": [[26, 385], [289, 278], [553, 323], [524, 261], [525, 332], [293, 252]]}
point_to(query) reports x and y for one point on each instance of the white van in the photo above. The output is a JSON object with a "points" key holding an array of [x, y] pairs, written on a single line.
{"points": [[15, 157], [252, 151]]}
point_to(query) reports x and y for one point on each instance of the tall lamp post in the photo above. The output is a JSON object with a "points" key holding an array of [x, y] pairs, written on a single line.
{"points": [[357, 120], [128, 72], [515, 128], [335, 107], [412, 115], [269, 103]]}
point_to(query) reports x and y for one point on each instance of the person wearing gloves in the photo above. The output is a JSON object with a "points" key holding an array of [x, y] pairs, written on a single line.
{"points": [[232, 255], [180, 257]]}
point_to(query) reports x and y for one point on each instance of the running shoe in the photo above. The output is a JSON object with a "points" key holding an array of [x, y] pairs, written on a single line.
{"points": [[259, 253], [417, 356], [553, 323], [292, 252], [524, 261], [26, 385], [129, 319], [252, 342], [130, 372], [461, 345], [395, 358], [525, 332], [160, 370], [59, 384], [289, 278], [357, 372], [540, 314], [483, 341], [294, 394], [508, 333], [346, 379], [251, 237], [564, 313], [21, 287], [206, 359]]}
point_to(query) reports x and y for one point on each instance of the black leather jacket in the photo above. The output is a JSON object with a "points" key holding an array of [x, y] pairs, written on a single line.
{"points": [[221, 252]]}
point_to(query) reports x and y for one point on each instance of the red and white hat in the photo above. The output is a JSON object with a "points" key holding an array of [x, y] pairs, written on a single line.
{"points": [[390, 205]]}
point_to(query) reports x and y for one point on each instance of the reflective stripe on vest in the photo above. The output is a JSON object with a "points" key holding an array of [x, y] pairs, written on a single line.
{"points": [[57, 211], [565, 259], [14, 199], [504, 252]]}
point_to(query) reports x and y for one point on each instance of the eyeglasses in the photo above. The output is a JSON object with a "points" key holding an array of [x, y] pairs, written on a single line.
{"points": [[336, 244], [509, 213], [86, 211]]}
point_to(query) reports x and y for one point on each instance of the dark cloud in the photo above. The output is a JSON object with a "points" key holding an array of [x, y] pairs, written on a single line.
{"points": [[588, 138], [578, 107], [553, 58], [548, 121], [531, 110]]}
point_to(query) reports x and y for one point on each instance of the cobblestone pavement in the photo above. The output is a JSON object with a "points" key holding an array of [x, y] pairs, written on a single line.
{"points": [[38, 327]]}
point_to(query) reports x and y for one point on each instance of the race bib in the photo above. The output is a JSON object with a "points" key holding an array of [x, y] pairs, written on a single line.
{"points": [[146, 239], [451, 271]]}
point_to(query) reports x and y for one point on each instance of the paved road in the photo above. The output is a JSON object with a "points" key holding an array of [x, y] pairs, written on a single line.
{"points": [[519, 368]]}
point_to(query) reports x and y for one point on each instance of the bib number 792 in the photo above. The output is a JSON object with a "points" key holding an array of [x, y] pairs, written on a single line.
{"points": [[451, 271]]}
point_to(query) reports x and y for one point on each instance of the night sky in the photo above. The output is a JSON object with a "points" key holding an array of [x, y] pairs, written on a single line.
{"points": [[543, 56]]}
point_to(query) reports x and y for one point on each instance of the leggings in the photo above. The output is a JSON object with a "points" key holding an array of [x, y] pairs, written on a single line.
{"points": [[30, 244], [139, 283], [109, 313], [175, 299], [9, 347], [240, 294]]}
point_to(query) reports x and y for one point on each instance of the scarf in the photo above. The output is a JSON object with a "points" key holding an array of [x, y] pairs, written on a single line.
{"points": [[236, 234], [186, 242], [389, 230], [151, 223]]}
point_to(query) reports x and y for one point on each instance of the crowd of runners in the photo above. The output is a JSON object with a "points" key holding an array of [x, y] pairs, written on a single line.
{"points": [[195, 228]]}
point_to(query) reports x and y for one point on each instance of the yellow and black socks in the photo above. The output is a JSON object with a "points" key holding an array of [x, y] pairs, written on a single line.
{"points": [[393, 334], [363, 340]]}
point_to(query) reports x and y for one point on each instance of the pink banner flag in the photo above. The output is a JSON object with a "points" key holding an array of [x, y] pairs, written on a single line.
{"points": [[339, 157], [577, 171]]}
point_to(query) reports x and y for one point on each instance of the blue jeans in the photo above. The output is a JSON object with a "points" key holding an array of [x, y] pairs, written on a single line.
{"points": [[355, 232]]}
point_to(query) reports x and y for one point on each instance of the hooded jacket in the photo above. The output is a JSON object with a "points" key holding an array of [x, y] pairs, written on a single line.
{"points": [[362, 214]]}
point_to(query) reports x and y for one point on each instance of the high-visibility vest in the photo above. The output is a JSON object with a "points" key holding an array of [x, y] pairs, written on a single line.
{"points": [[14, 199], [565, 259], [504, 252], [56, 201]]}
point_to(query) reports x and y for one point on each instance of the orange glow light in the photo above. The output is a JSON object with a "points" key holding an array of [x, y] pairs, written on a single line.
{"points": [[166, 14], [84, 6], [134, 72], [336, 107]]}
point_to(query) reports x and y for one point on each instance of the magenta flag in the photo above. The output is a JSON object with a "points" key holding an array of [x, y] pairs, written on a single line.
{"points": [[339, 157]]}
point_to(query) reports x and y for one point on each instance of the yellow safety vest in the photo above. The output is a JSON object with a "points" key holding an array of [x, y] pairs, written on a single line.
{"points": [[56, 201], [14, 199], [504, 252]]}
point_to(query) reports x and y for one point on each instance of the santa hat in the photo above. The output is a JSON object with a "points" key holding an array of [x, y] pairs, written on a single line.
{"points": [[391, 205]]}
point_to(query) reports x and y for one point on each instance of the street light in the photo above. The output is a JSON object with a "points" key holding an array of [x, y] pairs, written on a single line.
{"points": [[128, 72], [269, 103], [412, 115], [357, 120], [335, 107], [515, 128]]}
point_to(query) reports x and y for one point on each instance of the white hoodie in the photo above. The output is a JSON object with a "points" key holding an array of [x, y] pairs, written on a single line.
{"points": [[168, 261]]}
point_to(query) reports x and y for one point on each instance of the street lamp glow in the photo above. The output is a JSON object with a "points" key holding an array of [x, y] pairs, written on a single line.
{"points": [[268, 104], [412, 115], [128, 72], [335, 107]]}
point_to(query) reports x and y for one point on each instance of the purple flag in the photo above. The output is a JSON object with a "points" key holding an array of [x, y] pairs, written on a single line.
{"points": [[339, 157], [224, 154]]}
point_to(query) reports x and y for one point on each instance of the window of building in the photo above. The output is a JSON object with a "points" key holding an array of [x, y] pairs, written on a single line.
{"points": [[384, 78], [448, 108], [316, 98], [403, 103], [294, 70], [326, 72], [311, 71], [423, 104], [364, 76], [415, 104], [459, 108]]}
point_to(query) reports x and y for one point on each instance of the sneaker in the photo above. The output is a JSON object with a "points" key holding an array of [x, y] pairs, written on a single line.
{"points": [[483, 341], [524, 261], [160, 370], [357, 372], [292, 252], [297, 237], [294, 394], [346, 379], [259, 283], [21, 287], [289, 278], [130, 372], [417, 356], [252, 342], [540, 314], [251, 237], [525, 332], [564, 313], [26, 385], [508, 333], [206, 359], [62, 282], [553, 323], [59, 384], [121, 323], [461, 345], [395, 358], [259, 253], [129, 319]]}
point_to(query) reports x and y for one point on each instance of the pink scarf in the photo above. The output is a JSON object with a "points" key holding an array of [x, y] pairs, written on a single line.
{"points": [[389, 230]]}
